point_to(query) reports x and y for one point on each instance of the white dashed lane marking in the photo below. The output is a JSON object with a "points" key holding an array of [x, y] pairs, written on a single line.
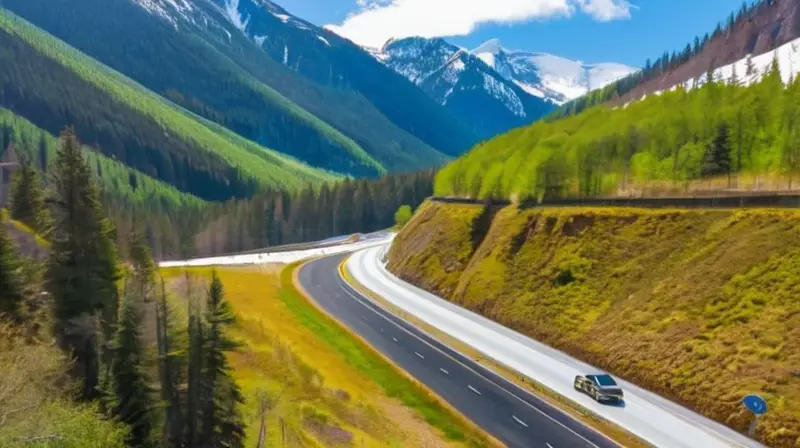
{"points": [[421, 357], [444, 371], [394, 339], [523, 424], [474, 390]]}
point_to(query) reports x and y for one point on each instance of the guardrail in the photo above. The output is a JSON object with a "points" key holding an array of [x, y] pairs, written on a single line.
{"points": [[744, 200]]}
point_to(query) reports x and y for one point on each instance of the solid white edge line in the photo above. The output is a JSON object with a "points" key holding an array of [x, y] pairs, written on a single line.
{"points": [[421, 357], [482, 376], [444, 371], [521, 423], [516, 386], [474, 390]]}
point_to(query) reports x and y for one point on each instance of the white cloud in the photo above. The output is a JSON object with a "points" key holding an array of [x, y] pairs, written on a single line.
{"points": [[606, 10], [379, 20]]}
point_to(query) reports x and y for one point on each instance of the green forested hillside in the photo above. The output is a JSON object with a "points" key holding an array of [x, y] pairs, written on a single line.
{"points": [[168, 216], [721, 130], [114, 179], [54, 86], [215, 70]]}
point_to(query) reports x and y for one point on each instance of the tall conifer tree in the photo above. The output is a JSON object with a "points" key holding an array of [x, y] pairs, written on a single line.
{"points": [[82, 270], [27, 199]]}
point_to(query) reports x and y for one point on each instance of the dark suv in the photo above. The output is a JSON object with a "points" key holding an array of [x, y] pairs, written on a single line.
{"points": [[600, 387]]}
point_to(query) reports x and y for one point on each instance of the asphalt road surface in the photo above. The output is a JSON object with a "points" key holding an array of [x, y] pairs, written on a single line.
{"points": [[507, 412]]}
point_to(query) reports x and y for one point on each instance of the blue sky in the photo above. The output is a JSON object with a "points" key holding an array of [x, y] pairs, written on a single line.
{"points": [[626, 31]]}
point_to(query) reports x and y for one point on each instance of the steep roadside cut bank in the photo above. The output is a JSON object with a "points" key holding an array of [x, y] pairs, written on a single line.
{"points": [[699, 306]]}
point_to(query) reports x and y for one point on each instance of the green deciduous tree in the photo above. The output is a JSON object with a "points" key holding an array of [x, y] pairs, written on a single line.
{"points": [[402, 216]]}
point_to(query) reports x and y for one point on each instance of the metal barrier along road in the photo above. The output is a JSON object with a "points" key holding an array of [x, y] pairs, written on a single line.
{"points": [[760, 200]]}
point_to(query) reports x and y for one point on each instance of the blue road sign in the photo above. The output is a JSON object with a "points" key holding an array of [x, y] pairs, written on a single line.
{"points": [[756, 404]]}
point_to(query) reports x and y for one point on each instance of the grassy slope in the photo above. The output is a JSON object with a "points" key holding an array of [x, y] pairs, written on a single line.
{"points": [[236, 83], [266, 166], [700, 306], [321, 375], [114, 177]]}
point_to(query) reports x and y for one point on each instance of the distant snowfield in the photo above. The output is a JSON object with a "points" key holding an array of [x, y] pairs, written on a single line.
{"points": [[549, 76], [266, 257]]}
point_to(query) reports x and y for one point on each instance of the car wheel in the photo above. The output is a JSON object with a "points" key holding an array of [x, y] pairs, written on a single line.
{"points": [[576, 385], [596, 396]]}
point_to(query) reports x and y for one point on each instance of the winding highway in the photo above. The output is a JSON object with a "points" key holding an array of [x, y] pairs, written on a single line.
{"points": [[507, 412], [510, 414]]}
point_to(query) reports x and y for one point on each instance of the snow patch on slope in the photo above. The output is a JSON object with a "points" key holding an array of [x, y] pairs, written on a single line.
{"points": [[282, 17], [325, 41], [507, 96], [533, 90], [453, 69], [168, 9], [487, 58], [236, 18], [787, 56]]}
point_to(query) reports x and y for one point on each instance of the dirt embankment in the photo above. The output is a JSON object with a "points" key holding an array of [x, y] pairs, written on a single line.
{"points": [[700, 306]]}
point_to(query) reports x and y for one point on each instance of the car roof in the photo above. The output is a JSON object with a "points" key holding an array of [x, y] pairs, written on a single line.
{"points": [[596, 378]]}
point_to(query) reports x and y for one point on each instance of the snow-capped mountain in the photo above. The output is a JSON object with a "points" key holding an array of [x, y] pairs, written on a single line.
{"points": [[547, 76], [309, 72], [464, 84]]}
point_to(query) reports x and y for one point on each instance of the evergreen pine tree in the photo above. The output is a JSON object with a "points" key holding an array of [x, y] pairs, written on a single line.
{"points": [[220, 419], [27, 199], [82, 270], [171, 363], [129, 399], [195, 387], [11, 293], [144, 268], [718, 155]]}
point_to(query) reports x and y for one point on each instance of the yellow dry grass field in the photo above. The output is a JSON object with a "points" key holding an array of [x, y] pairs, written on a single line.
{"points": [[701, 306], [308, 393]]}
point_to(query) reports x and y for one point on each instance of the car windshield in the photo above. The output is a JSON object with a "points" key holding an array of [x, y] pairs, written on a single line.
{"points": [[605, 380]]}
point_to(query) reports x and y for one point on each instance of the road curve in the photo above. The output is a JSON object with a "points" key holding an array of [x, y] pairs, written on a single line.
{"points": [[510, 414], [647, 415]]}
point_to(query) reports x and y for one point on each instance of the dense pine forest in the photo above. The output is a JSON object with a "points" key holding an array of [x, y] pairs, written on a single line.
{"points": [[312, 214], [145, 373], [178, 225], [740, 136]]}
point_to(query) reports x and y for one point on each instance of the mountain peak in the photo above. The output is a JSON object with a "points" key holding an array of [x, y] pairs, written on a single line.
{"points": [[490, 46]]}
